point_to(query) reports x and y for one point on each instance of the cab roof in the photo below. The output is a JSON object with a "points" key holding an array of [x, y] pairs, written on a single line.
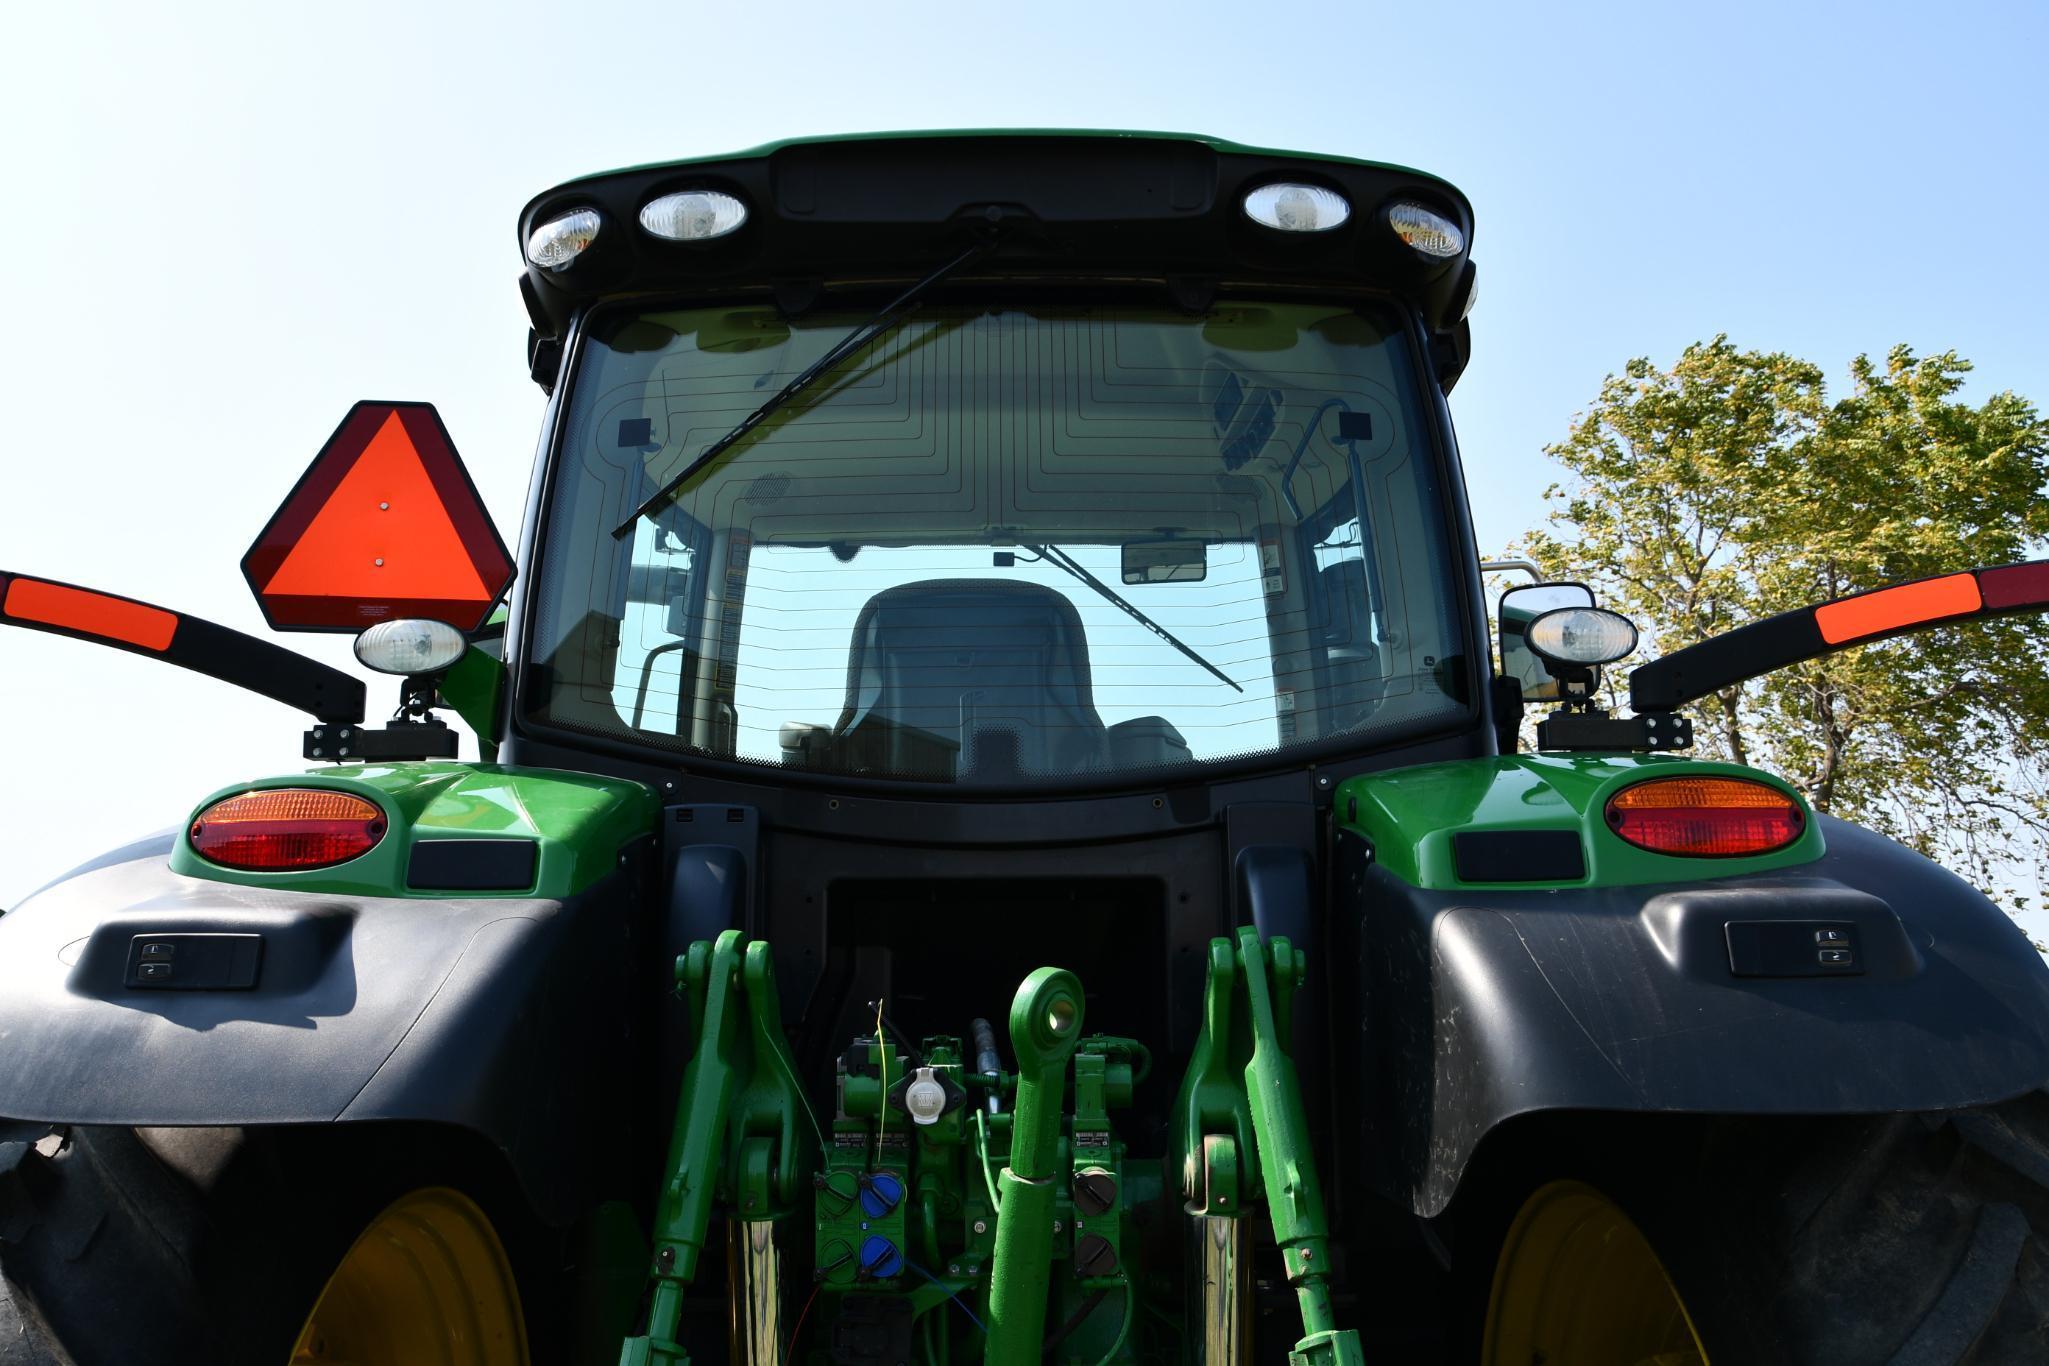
{"points": [[868, 208]]}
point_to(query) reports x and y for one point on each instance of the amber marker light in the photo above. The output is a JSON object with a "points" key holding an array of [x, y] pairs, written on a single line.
{"points": [[1894, 609], [88, 613], [286, 829], [1706, 817]]}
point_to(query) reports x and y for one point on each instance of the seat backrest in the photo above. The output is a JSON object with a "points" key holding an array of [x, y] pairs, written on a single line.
{"points": [[993, 675], [1355, 681]]}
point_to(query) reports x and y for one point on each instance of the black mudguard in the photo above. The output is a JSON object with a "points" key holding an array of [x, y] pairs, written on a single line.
{"points": [[1478, 1007], [506, 1017]]}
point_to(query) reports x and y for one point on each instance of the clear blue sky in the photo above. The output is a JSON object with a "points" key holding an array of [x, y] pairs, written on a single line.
{"points": [[223, 224]]}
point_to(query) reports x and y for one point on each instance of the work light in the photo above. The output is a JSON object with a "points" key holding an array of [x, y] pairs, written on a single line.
{"points": [[693, 215], [1580, 636], [410, 646], [1426, 230], [559, 241], [1297, 208]]}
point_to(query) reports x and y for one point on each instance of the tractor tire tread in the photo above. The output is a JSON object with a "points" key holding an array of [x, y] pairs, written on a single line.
{"points": [[1919, 1240], [78, 1240]]}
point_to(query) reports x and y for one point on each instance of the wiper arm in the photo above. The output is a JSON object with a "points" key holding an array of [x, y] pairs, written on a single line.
{"points": [[1060, 559], [846, 346]]}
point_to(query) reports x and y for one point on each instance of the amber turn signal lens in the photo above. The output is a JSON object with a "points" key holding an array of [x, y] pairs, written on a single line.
{"points": [[287, 828], [1706, 817]]}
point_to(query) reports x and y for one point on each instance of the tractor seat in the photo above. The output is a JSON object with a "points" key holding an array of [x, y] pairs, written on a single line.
{"points": [[970, 679], [1357, 681]]}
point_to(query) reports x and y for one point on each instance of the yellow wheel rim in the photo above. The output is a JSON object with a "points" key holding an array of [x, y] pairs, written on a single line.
{"points": [[1578, 1285], [427, 1284]]}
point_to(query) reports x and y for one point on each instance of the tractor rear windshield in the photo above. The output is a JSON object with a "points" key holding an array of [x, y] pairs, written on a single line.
{"points": [[1002, 546]]}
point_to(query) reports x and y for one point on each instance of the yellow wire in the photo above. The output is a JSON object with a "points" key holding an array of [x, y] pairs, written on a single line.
{"points": [[882, 1109]]}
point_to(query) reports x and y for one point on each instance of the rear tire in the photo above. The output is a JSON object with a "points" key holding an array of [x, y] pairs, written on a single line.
{"points": [[214, 1246], [1897, 1240]]}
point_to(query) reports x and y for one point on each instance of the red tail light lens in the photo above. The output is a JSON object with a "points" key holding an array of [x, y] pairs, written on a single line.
{"points": [[287, 828], [1706, 817]]}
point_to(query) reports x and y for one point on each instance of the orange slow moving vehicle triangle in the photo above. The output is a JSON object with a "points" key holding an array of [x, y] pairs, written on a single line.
{"points": [[385, 523]]}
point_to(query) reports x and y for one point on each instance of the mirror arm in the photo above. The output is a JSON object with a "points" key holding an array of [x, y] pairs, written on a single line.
{"points": [[1508, 713], [190, 642], [1737, 656], [1528, 567]]}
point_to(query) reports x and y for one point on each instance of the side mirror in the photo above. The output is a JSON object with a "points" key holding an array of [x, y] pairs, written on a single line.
{"points": [[1166, 562], [1520, 607]]}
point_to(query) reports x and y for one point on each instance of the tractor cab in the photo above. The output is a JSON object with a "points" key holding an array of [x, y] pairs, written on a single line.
{"points": [[922, 479]]}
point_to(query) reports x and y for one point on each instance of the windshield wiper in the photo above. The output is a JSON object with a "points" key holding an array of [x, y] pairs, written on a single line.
{"points": [[846, 346], [1060, 559]]}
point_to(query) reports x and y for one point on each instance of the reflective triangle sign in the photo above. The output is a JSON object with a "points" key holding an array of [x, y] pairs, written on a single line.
{"points": [[384, 523]]}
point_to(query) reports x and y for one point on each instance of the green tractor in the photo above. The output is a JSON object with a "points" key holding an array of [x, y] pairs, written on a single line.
{"points": [[1000, 838]]}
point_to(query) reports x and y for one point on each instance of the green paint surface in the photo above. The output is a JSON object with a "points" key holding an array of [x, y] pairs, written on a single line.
{"points": [[473, 688], [580, 821], [1410, 815]]}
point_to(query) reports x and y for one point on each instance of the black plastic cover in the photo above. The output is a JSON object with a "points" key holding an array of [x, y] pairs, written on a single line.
{"points": [[480, 865], [1477, 1007], [1518, 856], [1139, 205], [505, 1016]]}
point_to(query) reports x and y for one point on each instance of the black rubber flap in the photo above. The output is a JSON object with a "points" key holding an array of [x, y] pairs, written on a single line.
{"points": [[472, 865], [1518, 856]]}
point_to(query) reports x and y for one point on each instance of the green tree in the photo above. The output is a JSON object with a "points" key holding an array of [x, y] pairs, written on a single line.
{"points": [[1730, 487]]}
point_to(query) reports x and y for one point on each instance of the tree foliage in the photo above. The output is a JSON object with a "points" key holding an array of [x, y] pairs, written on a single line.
{"points": [[1731, 487]]}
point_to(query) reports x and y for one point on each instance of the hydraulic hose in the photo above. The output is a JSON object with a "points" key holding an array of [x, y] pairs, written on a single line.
{"points": [[988, 1061]]}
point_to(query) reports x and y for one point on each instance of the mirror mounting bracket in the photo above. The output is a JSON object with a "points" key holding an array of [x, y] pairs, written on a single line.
{"points": [[1591, 730]]}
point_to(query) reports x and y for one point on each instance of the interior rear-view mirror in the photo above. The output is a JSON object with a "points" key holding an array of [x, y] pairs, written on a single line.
{"points": [[1166, 562]]}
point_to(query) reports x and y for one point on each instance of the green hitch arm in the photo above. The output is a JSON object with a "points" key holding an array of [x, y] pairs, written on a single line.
{"points": [[737, 1137], [1219, 1157], [1045, 1027], [1294, 1198]]}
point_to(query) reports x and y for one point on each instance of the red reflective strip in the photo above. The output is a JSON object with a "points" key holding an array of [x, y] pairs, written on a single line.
{"points": [[2015, 585], [1890, 609], [90, 613]]}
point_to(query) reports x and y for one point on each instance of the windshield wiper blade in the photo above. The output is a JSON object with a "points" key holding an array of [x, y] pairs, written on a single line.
{"points": [[891, 314], [1060, 559]]}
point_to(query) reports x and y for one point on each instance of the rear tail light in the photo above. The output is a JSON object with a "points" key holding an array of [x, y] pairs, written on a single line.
{"points": [[1706, 817], [287, 828]]}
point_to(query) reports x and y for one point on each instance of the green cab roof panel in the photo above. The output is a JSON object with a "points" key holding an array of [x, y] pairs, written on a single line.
{"points": [[768, 149]]}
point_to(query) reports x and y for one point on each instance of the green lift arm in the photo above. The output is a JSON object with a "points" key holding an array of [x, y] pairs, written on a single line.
{"points": [[1241, 1083], [737, 1135], [1045, 1027]]}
